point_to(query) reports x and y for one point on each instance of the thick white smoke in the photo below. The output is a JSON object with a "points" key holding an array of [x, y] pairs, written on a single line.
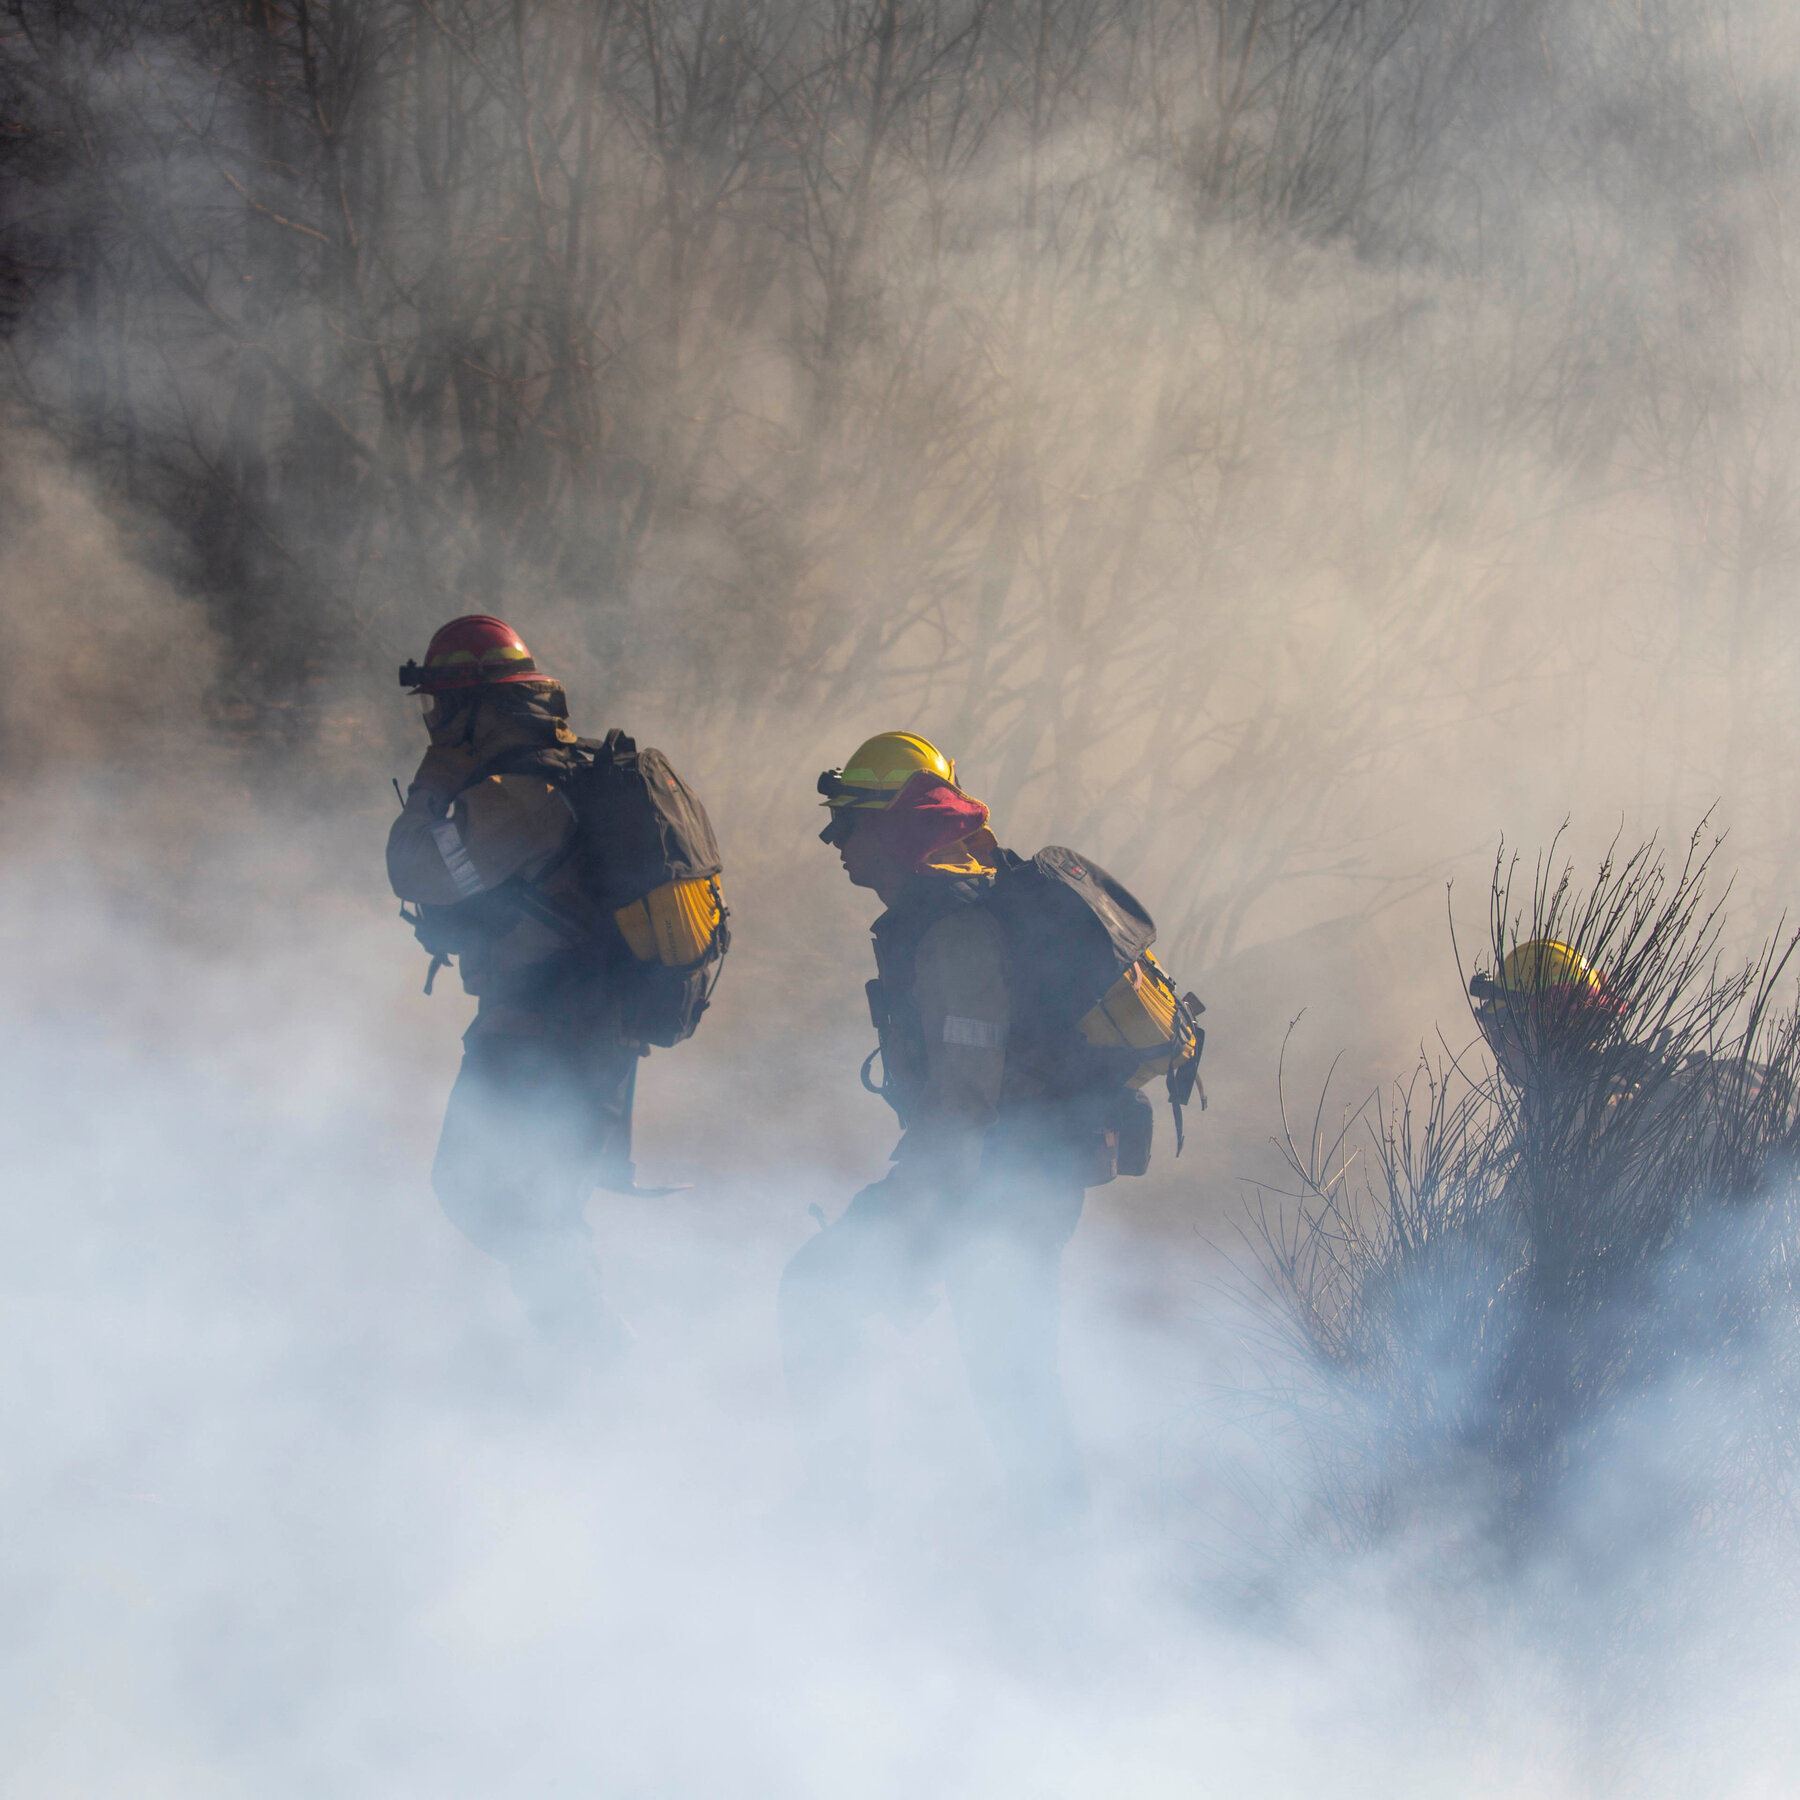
{"points": [[296, 1503]]}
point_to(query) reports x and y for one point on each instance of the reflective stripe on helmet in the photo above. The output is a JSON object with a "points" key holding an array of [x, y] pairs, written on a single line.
{"points": [[514, 654]]}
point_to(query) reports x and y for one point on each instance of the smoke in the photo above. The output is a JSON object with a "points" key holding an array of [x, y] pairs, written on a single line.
{"points": [[1279, 502], [296, 1501]]}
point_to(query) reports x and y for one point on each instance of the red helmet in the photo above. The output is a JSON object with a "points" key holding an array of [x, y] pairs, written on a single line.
{"points": [[476, 651]]}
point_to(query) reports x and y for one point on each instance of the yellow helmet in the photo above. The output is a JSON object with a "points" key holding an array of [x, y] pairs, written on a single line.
{"points": [[1543, 963], [1545, 999], [874, 776]]}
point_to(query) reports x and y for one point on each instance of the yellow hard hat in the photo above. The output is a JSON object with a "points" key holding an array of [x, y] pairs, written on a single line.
{"points": [[1545, 1000], [1543, 963], [877, 772]]}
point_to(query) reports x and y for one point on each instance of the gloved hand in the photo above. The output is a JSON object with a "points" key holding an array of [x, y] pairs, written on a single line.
{"points": [[443, 773]]}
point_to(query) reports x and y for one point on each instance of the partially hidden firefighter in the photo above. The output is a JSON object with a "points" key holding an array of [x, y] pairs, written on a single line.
{"points": [[1619, 1118], [576, 883], [1588, 1080], [1019, 1015]]}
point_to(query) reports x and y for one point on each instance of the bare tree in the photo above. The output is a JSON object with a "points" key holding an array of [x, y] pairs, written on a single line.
{"points": [[1170, 401]]}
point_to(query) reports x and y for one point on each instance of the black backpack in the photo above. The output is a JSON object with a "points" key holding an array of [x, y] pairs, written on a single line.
{"points": [[1078, 953], [638, 827]]}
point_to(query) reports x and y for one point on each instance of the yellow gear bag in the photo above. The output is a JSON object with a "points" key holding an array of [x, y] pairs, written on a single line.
{"points": [[675, 924], [1141, 1011]]}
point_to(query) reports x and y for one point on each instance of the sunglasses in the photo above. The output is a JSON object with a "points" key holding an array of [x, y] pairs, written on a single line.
{"points": [[840, 826]]}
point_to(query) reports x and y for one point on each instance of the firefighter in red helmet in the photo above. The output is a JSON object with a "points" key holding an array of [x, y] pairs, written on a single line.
{"points": [[583, 947]]}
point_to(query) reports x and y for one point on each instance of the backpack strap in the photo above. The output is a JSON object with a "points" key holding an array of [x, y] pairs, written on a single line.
{"points": [[1184, 1077]]}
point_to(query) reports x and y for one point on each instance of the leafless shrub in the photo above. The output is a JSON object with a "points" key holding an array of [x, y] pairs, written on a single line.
{"points": [[1496, 1280]]}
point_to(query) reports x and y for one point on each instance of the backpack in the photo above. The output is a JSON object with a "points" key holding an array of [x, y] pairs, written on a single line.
{"points": [[644, 851], [1096, 1017]]}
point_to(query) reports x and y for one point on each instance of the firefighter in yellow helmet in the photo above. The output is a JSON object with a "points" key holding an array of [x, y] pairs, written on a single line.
{"points": [[985, 1188], [1545, 1013], [510, 861]]}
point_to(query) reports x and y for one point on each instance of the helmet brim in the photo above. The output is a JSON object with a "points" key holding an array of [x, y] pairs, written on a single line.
{"points": [[444, 681]]}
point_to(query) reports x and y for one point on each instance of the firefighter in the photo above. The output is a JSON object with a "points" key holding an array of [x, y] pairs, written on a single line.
{"points": [[1612, 1138], [1602, 1106], [986, 1187], [1548, 1017], [486, 852]]}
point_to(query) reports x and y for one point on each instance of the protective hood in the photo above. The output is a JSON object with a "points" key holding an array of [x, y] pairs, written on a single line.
{"points": [[934, 828]]}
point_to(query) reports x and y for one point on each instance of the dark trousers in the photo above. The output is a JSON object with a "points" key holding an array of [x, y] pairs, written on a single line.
{"points": [[998, 1255], [534, 1123]]}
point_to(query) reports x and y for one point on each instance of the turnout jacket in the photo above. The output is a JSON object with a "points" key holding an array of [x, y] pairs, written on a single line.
{"points": [[944, 1013]]}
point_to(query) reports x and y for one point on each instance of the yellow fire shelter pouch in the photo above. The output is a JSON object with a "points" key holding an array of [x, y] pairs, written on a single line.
{"points": [[1108, 1019], [676, 924], [1141, 1011]]}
